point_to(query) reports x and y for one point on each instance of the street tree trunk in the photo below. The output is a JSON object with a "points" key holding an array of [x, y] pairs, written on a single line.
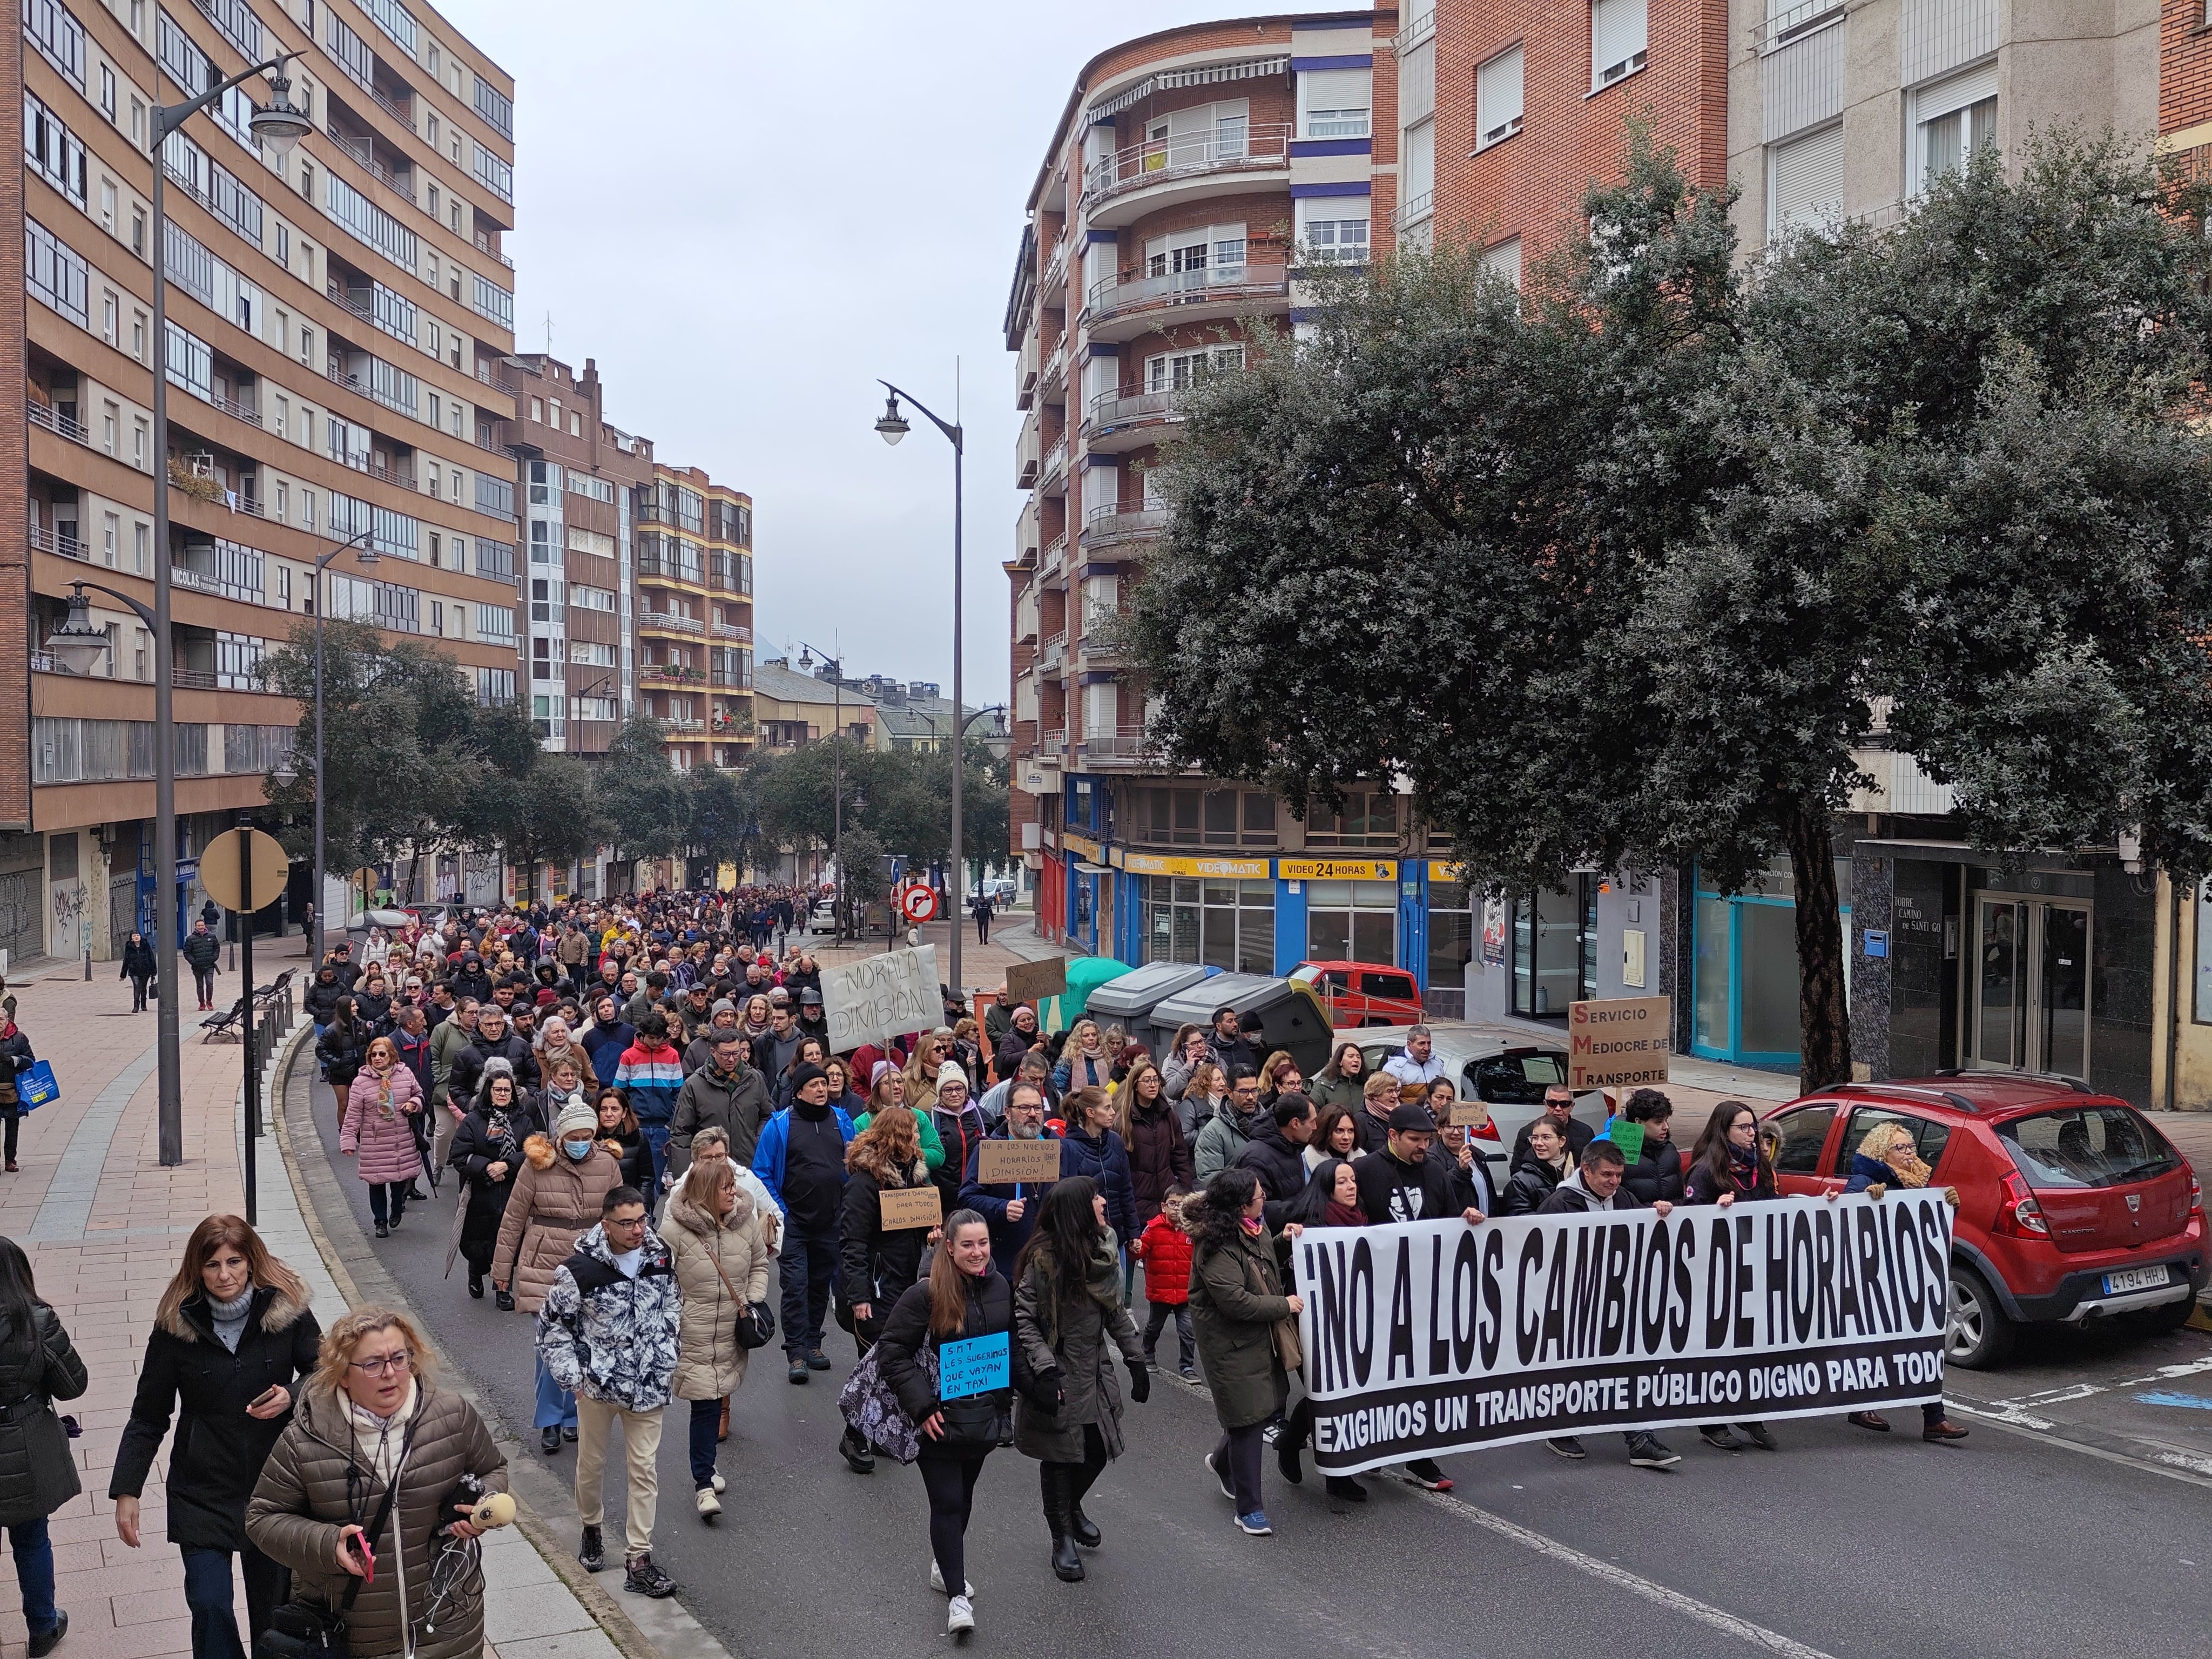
{"points": [[1824, 1015]]}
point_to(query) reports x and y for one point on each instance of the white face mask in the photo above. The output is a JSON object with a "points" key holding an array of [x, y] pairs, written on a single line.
{"points": [[578, 1149]]}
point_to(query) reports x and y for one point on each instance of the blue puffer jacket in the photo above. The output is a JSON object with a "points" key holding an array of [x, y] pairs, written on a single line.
{"points": [[1106, 1163], [1869, 1172]]}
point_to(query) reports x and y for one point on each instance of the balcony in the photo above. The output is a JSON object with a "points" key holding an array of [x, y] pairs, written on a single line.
{"points": [[1184, 167], [1121, 310], [1026, 370], [1054, 277], [1111, 526], [1054, 658], [1052, 476], [1118, 420], [1054, 564], [666, 674], [49, 541], [675, 728], [1053, 742], [1417, 32], [53, 419], [1116, 742], [670, 622], [730, 631], [1413, 209], [1028, 453], [1788, 21], [483, 244]]}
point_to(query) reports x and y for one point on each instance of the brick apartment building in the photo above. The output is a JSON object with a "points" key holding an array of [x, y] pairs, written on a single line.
{"points": [[694, 616], [336, 317]]}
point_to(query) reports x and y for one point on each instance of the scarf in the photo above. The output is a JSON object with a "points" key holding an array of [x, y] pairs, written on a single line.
{"points": [[229, 1317], [1251, 1225], [382, 1438], [1743, 1166], [1909, 1170], [384, 1108], [1333, 1215]]}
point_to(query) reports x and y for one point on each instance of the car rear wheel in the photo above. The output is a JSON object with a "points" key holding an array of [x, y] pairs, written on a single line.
{"points": [[1979, 1334]]}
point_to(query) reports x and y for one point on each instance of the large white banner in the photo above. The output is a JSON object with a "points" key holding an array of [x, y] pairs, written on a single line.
{"points": [[1428, 1337], [878, 997]]}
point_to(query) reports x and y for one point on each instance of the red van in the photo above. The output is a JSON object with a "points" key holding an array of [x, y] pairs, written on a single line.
{"points": [[1362, 993]]}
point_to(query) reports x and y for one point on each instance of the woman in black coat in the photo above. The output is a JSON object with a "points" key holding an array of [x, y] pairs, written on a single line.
{"points": [[139, 967], [344, 1046], [38, 1471], [232, 1334], [487, 1151]]}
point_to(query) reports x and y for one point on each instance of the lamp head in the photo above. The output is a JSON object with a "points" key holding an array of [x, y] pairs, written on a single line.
{"points": [[76, 642], [367, 555], [893, 425], [278, 124]]}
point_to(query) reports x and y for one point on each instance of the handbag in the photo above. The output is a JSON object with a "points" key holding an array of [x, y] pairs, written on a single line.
{"points": [[755, 1325], [35, 1086], [871, 1405], [309, 1630]]}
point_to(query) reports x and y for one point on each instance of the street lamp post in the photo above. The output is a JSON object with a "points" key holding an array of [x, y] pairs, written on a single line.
{"points": [[369, 557], [892, 426], [837, 776], [279, 126]]}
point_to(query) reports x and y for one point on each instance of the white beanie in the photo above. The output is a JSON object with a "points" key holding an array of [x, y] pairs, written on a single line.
{"points": [[576, 1115], [949, 1072]]}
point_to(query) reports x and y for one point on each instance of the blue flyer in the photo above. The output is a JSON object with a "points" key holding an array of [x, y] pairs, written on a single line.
{"points": [[975, 1366]]}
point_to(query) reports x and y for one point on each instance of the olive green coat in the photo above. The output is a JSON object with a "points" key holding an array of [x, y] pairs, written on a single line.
{"points": [[1077, 1340], [1236, 1297]]}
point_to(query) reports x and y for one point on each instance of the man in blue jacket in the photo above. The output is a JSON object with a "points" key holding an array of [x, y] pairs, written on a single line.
{"points": [[1009, 1208], [800, 1159]]}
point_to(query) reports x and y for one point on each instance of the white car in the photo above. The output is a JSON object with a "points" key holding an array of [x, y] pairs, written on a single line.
{"points": [[1503, 1069], [823, 918]]}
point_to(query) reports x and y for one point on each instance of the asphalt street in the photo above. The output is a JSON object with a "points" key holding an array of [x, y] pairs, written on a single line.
{"points": [[1842, 1544]]}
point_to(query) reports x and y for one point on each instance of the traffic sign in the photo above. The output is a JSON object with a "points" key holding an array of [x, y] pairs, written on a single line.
{"points": [[224, 860], [918, 904]]}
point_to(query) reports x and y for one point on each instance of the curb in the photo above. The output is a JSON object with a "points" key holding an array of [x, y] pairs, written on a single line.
{"points": [[526, 1480]]}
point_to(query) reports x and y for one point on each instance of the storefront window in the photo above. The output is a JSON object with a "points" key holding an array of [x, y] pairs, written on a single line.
{"points": [[1555, 950], [1745, 953], [1352, 920], [1221, 923], [1451, 943]]}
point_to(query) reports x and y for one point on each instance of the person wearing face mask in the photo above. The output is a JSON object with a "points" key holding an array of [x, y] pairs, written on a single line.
{"points": [[556, 1200]]}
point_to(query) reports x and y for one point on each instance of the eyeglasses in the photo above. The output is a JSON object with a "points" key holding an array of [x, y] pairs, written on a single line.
{"points": [[386, 1365], [629, 1226]]}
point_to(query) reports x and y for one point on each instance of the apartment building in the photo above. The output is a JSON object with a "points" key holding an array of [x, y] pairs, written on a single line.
{"points": [[334, 319], [694, 618], [581, 476]]}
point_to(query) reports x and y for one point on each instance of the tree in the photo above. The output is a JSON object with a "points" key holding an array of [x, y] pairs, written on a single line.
{"points": [[722, 814], [1618, 571], [550, 815], [641, 797]]}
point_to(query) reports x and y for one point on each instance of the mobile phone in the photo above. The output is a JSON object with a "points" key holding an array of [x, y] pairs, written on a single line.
{"points": [[367, 1558], [267, 1394]]}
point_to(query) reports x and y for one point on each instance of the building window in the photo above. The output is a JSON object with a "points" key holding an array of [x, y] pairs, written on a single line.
{"points": [[1956, 121], [1219, 922], [1366, 820], [1177, 371], [1620, 32], [1335, 102], [1352, 920], [1505, 259], [1554, 949], [1805, 181], [1336, 241], [1498, 98]]}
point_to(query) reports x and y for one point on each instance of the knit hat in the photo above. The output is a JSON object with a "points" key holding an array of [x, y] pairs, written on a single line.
{"points": [[725, 1006], [951, 1071], [497, 1065], [876, 1075], [576, 1118], [809, 1073]]}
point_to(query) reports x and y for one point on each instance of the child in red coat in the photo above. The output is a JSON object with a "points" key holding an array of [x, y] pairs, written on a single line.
{"points": [[1164, 1249]]}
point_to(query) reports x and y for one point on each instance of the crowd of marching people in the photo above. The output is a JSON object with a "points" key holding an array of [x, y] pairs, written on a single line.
{"points": [[639, 1109]]}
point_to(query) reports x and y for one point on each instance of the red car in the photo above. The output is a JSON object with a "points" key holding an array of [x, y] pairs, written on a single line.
{"points": [[2072, 1205], [1359, 994]]}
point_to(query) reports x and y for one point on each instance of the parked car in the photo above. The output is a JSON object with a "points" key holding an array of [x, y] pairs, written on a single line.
{"points": [[1357, 993], [823, 918], [1503, 1069], [2072, 1205]]}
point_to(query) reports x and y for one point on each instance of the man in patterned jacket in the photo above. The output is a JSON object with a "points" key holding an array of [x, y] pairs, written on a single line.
{"points": [[607, 1330]]}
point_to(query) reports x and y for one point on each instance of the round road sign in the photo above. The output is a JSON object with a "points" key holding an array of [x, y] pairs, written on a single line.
{"points": [[918, 904], [220, 870]]}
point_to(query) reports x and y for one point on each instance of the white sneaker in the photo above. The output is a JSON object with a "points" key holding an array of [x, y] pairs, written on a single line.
{"points": [[709, 1506], [937, 1581], [959, 1617], [721, 1485]]}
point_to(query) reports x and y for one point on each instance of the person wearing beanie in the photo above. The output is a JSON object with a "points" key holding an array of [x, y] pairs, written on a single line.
{"points": [[699, 1053], [800, 1158]]}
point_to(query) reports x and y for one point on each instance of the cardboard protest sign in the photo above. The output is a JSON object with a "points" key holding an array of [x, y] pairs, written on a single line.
{"points": [[911, 1206], [1001, 1162], [1623, 1040], [1033, 982], [975, 1366], [1469, 1115], [878, 997]]}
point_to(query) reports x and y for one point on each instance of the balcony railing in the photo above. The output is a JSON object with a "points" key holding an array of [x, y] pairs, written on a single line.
{"points": [[1055, 268], [53, 419], [1053, 742], [1230, 148], [1114, 743], [663, 674], [1054, 559], [1208, 285], [49, 540], [1055, 460], [484, 243], [675, 728], [730, 631], [1056, 650], [234, 409], [670, 619], [391, 108], [1785, 23], [1421, 30], [1109, 523], [193, 679], [1115, 409], [1413, 209]]}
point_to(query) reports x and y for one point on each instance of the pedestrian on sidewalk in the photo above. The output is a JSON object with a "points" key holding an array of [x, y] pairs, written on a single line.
{"points": [[376, 1130], [556, 1199], [37, 1470], [1069, 1319], [488, 1152], [962, 1300], [373, 1419], [139, 967], [720, 1252], [15, 1059], [203, 951], [1237, 1302], [232, 1339], [984, 910], [608, 1332]]}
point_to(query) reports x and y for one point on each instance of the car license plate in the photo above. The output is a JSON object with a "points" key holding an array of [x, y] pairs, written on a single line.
{"points": [[2135, 1278]]}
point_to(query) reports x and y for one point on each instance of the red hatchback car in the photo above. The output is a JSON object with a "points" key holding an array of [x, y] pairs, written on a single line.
{"points": [[1359, 994], [2072, 1205]]}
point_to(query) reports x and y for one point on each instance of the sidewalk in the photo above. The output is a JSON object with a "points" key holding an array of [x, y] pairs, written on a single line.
{"points": [[103, 1222], [982, 966]]}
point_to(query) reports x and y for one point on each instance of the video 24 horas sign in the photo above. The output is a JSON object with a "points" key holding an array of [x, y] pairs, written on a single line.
{"points": [[1428, 1337]]}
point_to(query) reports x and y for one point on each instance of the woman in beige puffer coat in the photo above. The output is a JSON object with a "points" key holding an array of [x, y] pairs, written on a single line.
{"points": [[720, 1254]]}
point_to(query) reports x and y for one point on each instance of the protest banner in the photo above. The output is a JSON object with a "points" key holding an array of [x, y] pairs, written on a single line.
{"points": [[1624, 1039], [1428, 1337], [910, 1206], [999, 1162], [878, 997]]}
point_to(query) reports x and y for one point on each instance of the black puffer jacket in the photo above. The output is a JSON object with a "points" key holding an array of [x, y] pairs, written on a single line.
{"points": [[1159, 1157], [139, 962], [1531, 1183], [979, 1422], [37, 1471], [468, 1064], [219, 1449], [1282, 1170], [343, 1047], [879, 1264], [1656, 1177], [321, 1000], [476, 1148]]}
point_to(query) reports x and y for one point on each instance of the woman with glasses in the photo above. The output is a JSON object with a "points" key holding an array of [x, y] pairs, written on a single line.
{"points": [[378, 1130], [232, 1335], [371, 1419]]}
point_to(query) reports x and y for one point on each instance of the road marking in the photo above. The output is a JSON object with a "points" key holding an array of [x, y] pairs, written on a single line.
{"points": [[1635, 1583], [2168, 1397]]}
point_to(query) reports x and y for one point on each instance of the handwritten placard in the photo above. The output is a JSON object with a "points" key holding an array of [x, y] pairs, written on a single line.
{"points": [[911, 1206], [1629, 1137], [1469, 1115], [878, 997], [1001, 1162], [1032, 981], [975, 1366]]}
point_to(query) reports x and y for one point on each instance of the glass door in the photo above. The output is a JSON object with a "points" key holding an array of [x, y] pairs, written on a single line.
{"points": [[2063, 1002], [1999, 1028], [2030, 988]]}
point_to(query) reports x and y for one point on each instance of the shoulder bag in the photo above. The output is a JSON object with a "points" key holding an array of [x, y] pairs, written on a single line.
{"points": [[755, 1323]]}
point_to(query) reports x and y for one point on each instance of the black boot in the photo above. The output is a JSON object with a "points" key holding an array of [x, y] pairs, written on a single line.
{"points": [[856, 1453], [1067, 1564], [476, 1285], [1079, 1526]]}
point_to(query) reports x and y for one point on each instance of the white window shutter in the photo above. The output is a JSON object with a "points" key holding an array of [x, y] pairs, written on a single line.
{"points": [[1498, 98], [1619, 35], [1805, 181]]}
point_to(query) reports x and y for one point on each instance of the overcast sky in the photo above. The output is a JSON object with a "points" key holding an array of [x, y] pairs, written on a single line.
{"points": [[747, 213]]}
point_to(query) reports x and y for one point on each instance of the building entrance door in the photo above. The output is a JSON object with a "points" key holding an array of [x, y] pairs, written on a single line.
{"points": [[2030, 990]]}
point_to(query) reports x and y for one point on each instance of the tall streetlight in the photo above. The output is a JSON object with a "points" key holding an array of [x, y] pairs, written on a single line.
{"points": [[837, 773], [892, 426], [279, 126], [369, 557]]}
